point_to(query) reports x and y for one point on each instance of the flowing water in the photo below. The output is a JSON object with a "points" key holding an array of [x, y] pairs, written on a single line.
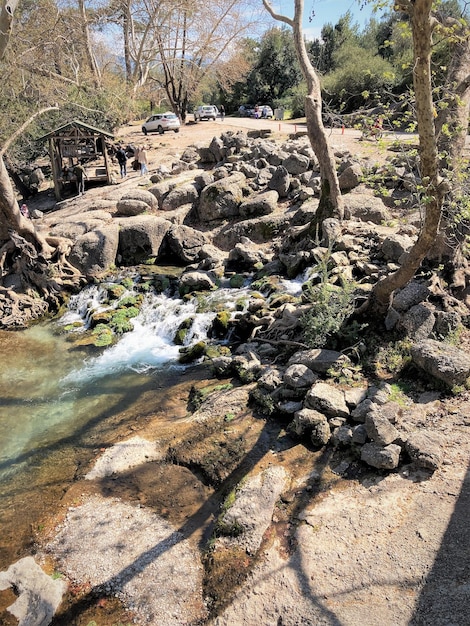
{"points": [[60, 402]]}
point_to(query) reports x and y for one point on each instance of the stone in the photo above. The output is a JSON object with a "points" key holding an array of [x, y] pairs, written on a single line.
{"points": [[442, 361], [425, 449], [196, 281], [132, 202], [359, 434], [179, 196], [39, 596], [296, 163], [306, 420], [375, 455], [260, 204], [280, 181], [327, 399], [222, 198], [252, 510], [96, 251], [366, 207], [379, 429], [186, 243], [141, 237], [418, 322], [413, 293], [318, 359], [350, 177], [298, 375], [395, 246]]}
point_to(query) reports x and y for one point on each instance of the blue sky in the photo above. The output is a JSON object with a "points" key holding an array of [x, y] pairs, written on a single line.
{"points": [[327, 11]]}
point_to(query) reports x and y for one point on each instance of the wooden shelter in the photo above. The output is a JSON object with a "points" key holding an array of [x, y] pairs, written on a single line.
{"points": [[75, 143]]}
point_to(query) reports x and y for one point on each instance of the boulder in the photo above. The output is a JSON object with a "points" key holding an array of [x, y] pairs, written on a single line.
{"points": [[179, 196], [425, 449], [136, 201], [395, 246], [350, 177], [299, 376], [318, 360], [161, 190], [222, 198], [96, 251], [312, 423], [418, 322], [442, 361], [326, 399], [296, 163], [380, 457], [379, 428], [259, 204], [258, 229], [280, 181], [196, 281], [141, 238], [185, 243], [413, 293], [366, 207]]}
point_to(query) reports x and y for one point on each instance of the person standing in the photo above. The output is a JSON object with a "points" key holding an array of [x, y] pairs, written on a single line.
{"points": [[122, 160], [143, 160], [222, 112], [80, 175]]}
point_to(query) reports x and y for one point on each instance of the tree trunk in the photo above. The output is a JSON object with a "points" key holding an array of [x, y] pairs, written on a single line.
{"points": [[435, 188], [331, 202]]}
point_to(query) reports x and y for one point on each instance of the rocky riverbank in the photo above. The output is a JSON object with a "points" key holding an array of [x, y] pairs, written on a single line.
{"points": [[333, 480]]}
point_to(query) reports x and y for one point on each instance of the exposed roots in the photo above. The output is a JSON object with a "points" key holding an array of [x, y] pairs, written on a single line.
{"points": [[32, 285]]}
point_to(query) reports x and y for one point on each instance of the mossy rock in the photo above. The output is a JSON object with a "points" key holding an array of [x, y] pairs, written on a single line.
{"points": [[182, 331], [120, 321], [236, 281], [214, 351], [267, 285], [102, 336], [282, 298], [221, 323], [161, 283], [131, 301], [100, 317], [115, 291], [192, 353]]}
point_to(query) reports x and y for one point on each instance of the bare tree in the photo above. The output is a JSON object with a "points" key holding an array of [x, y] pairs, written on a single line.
{"points": [[24, 253], [331, 202]]}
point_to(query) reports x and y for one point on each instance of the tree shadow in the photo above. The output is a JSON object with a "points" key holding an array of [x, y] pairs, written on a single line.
{"points": [[445, 597]]}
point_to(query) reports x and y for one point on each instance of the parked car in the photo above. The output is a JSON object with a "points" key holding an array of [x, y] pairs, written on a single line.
{"points": [[206, 112], [161, 122], [264, 111], [246, 110]]}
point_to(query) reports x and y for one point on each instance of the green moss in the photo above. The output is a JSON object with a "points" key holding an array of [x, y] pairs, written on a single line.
{"points": [[192, 353], [161, 283], [102, 336], [115, 291], [128, 283], [182, 331], [120, 321], [237, 281], [220, 325]]}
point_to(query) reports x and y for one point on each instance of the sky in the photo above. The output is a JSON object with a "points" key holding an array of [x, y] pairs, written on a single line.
{"points": [[327, 11]]}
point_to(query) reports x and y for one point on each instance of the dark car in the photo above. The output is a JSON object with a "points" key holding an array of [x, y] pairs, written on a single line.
{"points": [[246, 110]]}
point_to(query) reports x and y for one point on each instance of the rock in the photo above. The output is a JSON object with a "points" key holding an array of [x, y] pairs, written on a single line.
{"points": [[259, 229], [124, 455], [162, 189], [196, 281], [366, 208], [350, 177], [222, 198], [425, 449], [186, 243], [95, 251], [280, 181], [343, 435], [442, 361], [299, 376], [313, 423], [271, 379], [136, 201], [251, 513], [260, 204], [327, 399], [179, 196], [413, 293], [245, 255], [379, 429], [331, 232], [387, 457], [359, 434], [318, 360], [296, 163], [418, 322], [141, 238], [39, 596], [395, 246]]}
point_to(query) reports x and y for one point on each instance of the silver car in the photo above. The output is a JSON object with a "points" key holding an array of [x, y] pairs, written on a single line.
{"points": [[161, 122], [205, 112]]}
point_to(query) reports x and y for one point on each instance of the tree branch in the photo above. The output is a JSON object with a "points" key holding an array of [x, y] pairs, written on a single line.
{"points": [[277, 16], [19, 130]]}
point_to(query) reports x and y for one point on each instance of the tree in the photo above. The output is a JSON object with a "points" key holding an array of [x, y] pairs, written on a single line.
{"points": [[24, 253], [331, 202], [434, 186]]}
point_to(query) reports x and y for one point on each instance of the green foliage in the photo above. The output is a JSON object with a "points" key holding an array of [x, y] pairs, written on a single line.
{"points": [[103, 336], [331, 305]]}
